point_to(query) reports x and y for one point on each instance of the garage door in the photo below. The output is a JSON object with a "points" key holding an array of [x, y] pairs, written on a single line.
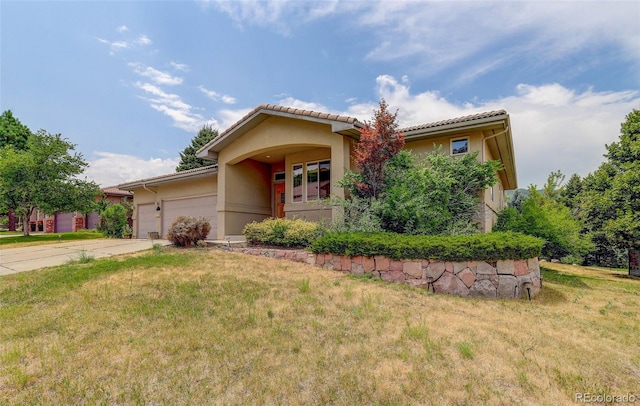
{"points": [[64, 222], [93, 220], [203, 206], [146, 219]]}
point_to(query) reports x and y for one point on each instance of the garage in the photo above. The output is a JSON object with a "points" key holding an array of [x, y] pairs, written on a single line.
{"points": [[64, 222], [146, 218], [200, 206], [93, 221]]}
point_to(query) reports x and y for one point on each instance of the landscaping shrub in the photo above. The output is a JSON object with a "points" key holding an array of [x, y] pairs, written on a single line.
{"points": [[487, 247], [282, 232], [113, 220], [188, 230]]}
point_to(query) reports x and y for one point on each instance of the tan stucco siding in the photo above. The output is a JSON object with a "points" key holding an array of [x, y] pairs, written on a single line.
{"points": [[245, 185], [176, 190], [427, 145]]}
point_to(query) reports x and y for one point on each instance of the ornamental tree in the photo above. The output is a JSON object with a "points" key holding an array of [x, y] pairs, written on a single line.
{"points": [[379, 141]]}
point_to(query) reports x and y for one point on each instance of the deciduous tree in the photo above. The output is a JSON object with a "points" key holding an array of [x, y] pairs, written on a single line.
{"points": [[45, 176], [379, 141]]}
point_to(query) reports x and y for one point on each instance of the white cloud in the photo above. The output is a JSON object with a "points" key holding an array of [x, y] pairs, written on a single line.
{"points": [[110, 169], [159, 77], [474, 38], [554, 128], [300, 104], [182, 67], [228, 117], [279, 14], [174, 107], [215, 96], [129, 43], [143, 40]]}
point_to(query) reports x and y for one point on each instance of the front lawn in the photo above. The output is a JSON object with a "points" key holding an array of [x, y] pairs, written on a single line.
{"points": [[173, 326], [18, 240]]}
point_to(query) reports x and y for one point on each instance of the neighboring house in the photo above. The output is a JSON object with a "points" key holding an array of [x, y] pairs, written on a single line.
{"points": [[61, 222], [279, 162]]}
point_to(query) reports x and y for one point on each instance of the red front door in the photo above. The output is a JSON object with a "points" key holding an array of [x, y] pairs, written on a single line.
{"points": [[279, 198]]}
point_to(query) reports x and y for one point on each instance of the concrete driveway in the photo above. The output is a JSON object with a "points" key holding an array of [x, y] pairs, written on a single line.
{"points": [[14, 260]]}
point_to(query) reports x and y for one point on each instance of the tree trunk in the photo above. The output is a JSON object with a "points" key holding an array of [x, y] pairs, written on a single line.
{"points": [[25, 225], [12, 221]]}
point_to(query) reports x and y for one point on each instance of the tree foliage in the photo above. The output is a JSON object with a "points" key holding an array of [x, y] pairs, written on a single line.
{"points": [[188, 158], [542, 214], [113, 220], [623, 230], [12, 131], [44, 175], [435, 194], [379, 142]]}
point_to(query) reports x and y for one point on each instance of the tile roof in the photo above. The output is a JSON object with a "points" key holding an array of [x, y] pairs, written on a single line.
{"points": [[458, 120], [172, 176], [295, 112], [115, 191]]}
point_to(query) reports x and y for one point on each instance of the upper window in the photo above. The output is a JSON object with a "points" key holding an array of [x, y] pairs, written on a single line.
{"points": [[460, 146]]}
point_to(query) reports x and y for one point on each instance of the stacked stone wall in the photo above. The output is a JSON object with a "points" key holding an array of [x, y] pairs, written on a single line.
{"points": [[502, 279]]}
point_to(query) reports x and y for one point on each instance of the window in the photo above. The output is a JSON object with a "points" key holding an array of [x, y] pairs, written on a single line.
{"points": [[312, 181], [460, 146], [318, 181], [297, 183], [325, 179], [279, 177]]}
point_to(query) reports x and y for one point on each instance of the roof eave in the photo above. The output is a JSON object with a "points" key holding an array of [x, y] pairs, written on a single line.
{"points": [[445, 129], [167, 179]]}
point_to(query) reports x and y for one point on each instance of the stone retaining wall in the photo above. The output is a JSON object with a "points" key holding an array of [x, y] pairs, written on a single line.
{"points": [[501, 279]]}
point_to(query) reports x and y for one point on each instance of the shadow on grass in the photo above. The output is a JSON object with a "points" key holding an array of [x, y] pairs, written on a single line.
{"points": [[550, 295], [561, 278]]}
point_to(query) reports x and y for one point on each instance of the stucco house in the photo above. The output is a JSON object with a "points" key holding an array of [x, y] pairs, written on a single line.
{"points": [[279, 162]]}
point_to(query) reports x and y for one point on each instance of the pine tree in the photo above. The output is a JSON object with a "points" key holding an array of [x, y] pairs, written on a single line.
{"points": [[188, 158]]}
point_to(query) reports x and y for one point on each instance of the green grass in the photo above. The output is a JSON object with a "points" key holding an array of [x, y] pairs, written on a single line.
{"points": [[175, 326], [20, 240]]}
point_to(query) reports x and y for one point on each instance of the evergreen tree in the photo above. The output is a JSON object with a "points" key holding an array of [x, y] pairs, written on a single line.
{"points": [[12, 131], [188, 158]]}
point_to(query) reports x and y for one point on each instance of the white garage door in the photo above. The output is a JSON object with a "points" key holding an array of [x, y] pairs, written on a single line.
{"points": [[203, 206], [64, 222], [146, 219]]}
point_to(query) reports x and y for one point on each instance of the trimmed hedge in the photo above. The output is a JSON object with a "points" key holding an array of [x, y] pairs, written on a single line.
{"points": [[282, 232], [485, 247]]}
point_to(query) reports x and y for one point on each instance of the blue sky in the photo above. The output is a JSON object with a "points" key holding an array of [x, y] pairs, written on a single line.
{"points": [[131, 82]]}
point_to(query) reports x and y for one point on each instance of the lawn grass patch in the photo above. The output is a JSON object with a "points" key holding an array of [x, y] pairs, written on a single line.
{"points": [[37, 239], [174, 326]]}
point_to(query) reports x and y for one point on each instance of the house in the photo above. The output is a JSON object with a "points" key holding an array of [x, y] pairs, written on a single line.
{"points": [[61, 222], [279, 162]]}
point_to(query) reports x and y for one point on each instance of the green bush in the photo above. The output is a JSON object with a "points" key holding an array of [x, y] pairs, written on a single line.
{"points": [[282, 232], [487, 247], [188, 230], [113, 220]]}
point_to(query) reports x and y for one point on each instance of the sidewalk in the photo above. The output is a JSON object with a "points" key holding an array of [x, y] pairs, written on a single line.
{"points": [[14, 260]]}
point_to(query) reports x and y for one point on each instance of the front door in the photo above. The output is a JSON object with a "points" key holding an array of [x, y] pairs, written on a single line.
{"points": [[279, 198]]}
